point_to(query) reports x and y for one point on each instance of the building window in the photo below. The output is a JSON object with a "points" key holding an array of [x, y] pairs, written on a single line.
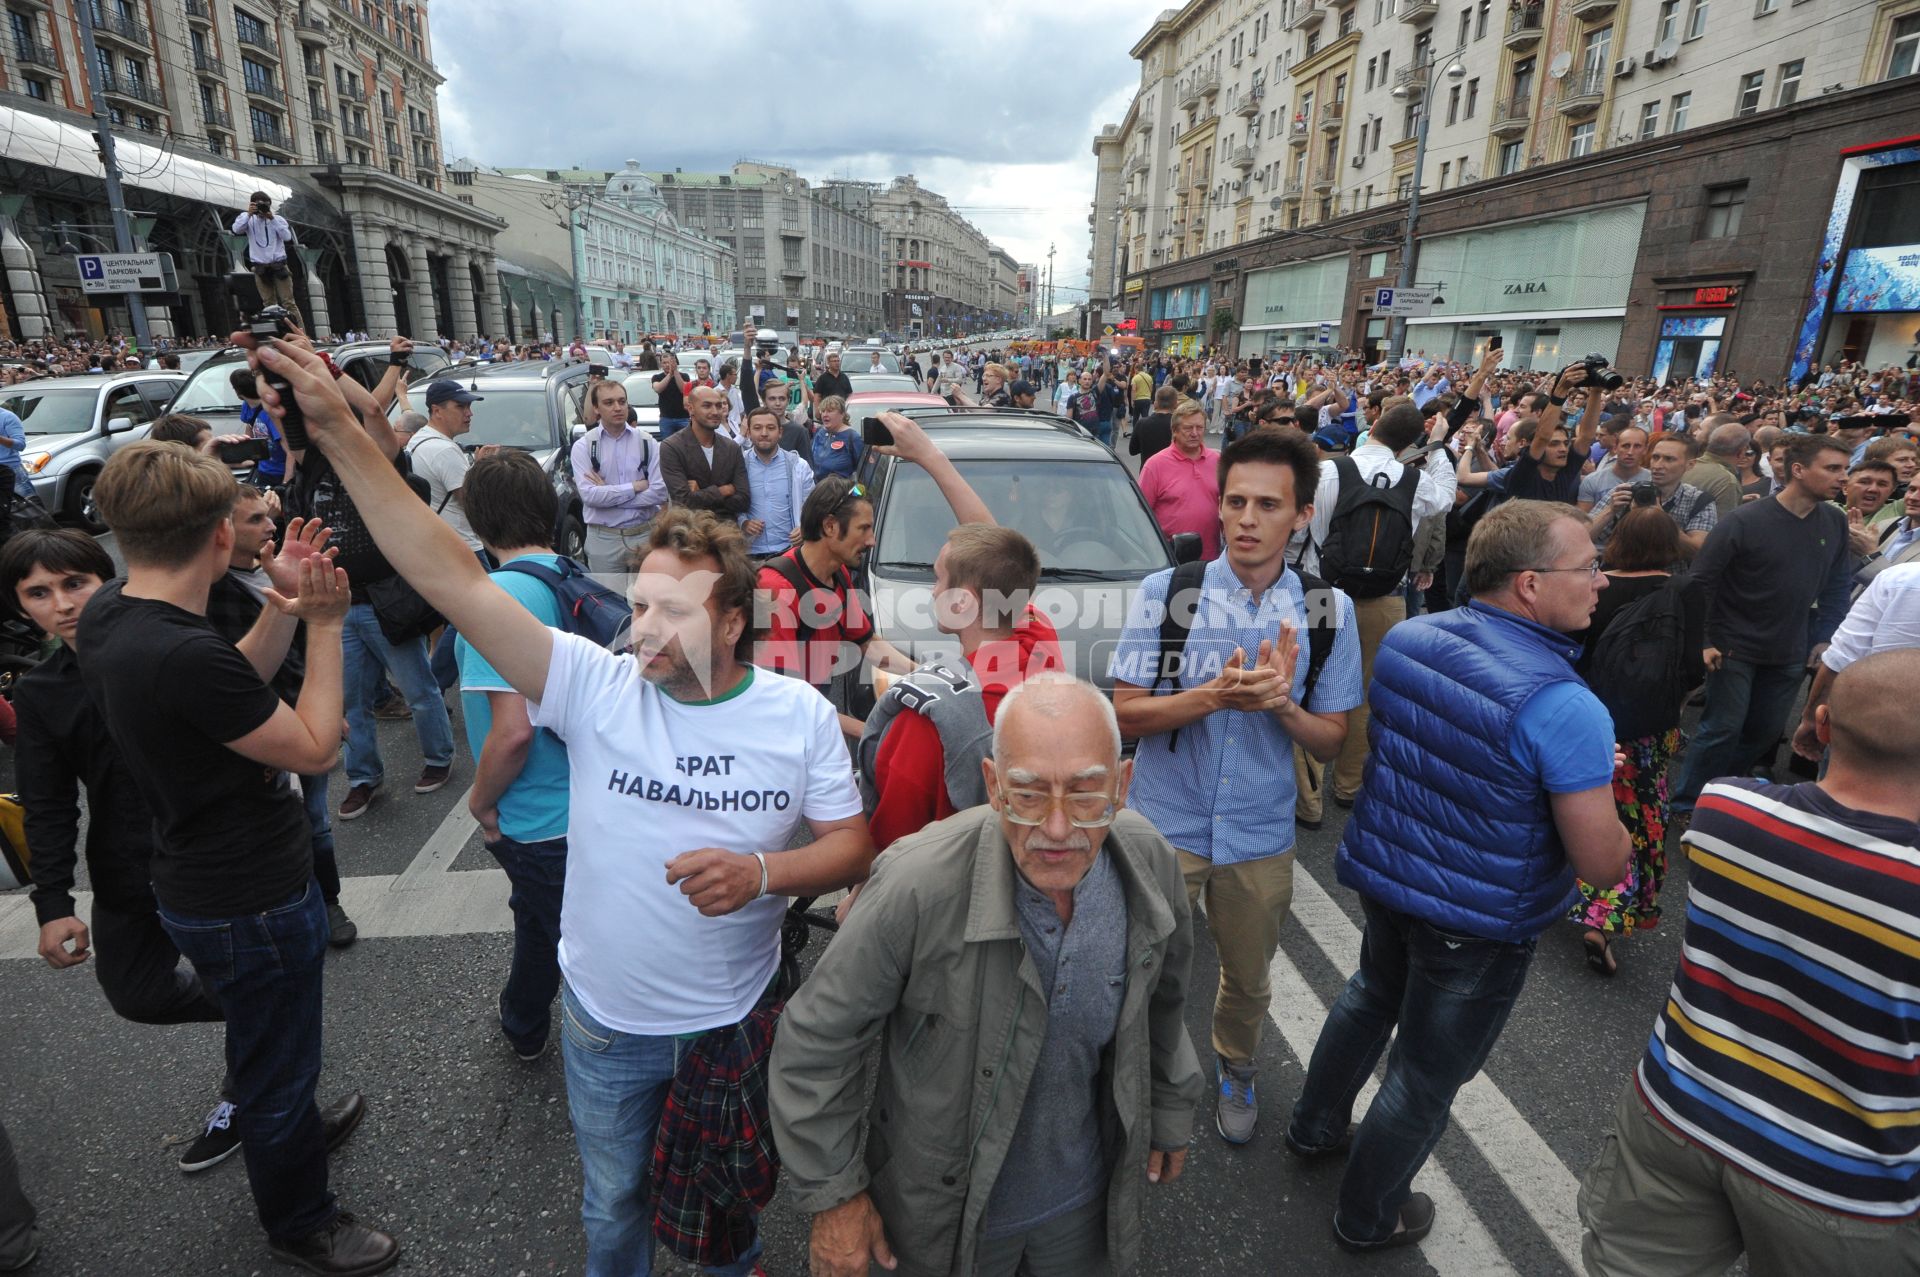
{"points": [[1787, 91], [36, 89], [1473, 95], [1905, 59], [1370, 66], [1511, 154], [1763, 7], [1748, 100], [1724, 205], [1346, 20], [1677, 112], [1480, 23], [1649, 120], [1580, 141], [1697, 19], [1466, 25], [1453, 104], [1668, 25], [1377, 122], [1446, 168]]}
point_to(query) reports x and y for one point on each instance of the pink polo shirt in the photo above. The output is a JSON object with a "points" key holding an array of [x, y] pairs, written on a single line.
{"points": [[1184, 494]]}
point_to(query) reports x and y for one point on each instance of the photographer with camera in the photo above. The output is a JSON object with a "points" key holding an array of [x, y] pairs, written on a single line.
{"points": [[1665, 486], [267, 238]]}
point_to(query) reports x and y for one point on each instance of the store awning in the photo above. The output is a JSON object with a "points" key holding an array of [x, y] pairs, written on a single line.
{"points": [[31, 138]]}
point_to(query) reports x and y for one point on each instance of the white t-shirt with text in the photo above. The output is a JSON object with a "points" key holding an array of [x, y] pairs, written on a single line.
{"points": [[652, 777]]}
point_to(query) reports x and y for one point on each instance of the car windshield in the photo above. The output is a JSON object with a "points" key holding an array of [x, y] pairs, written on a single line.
{"points": [[1082, 516], [640, 391], [209, 389], [53, 412], [859, 360], [512, 418]]}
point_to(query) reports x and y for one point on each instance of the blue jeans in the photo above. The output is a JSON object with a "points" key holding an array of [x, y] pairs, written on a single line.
{"points": [[1747, 707], [326, 868], [670, 426], [1103, 431], [616, 1087], [365, 652], [1450, 995], [264, 971], [537, 872]]}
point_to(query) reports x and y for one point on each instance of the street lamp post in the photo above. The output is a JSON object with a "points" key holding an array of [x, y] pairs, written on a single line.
{"points": [[110, 174], [1409, 246]]}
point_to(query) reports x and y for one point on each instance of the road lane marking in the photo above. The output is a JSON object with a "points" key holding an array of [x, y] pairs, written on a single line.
{"points": [[1532, 1171], [435, 858]]}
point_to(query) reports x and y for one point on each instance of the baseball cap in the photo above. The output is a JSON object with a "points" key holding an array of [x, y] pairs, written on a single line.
{"points": [[1022, 388], [446, 390]]}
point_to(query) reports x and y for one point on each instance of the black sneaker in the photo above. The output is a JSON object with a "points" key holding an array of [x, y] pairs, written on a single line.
{"points": [[344, 1248], [341, 930], [219, 1141]]}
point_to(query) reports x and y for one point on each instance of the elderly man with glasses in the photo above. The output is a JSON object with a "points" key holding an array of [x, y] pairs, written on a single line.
{"points": [[1025, 963]]}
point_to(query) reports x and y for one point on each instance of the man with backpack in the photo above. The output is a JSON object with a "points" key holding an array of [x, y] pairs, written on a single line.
{"points": [[1367, 510], [1222, 668], [617, 470]]}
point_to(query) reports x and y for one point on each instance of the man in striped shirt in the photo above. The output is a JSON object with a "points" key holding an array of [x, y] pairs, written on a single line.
{"points": [[1777, 1108]]}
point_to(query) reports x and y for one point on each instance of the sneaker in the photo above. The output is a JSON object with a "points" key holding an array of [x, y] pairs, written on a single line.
{"points": [[358, 799], [33, 1252], [344, 1248], [219, 1141], [1237, 1110], [1416, 1221], [341, 930], [526, 1056], [1308, 1153], [431, 778]]}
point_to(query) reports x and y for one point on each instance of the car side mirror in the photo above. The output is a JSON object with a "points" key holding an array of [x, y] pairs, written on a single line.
{"points": [[1187, 547], [119, 425]]}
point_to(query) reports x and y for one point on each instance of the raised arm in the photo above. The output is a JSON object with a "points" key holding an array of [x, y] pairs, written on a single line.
{"points": [[910, 443], [417, 542]]}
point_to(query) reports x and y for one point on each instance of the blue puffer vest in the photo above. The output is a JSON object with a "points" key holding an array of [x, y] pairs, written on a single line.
{"points": [[1448, 827]]}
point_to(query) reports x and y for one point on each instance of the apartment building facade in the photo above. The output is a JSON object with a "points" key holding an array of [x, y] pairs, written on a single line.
{"points": [[333, 102], [940, 273]]}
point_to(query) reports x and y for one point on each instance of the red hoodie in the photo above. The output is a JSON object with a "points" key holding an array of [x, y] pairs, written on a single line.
{"points": [[910, 769]]}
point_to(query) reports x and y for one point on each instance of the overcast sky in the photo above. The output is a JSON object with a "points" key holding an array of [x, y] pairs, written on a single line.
{"points": [[992, 104]]}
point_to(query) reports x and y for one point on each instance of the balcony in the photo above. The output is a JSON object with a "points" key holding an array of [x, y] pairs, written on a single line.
{"points": [[1249, 105], [1510, 118], [1241, 157], [31, 53], [274, 137], [1203, 85], [1591, 10], [1323, 182], [1299, 133], [260, 39], [1413, 79], [124, 30], [1332, 116], [1136, 165], [1293, 189], [1524, 27], [1582, 92], [791, 230], [199, 11], [206, 64], [358, 132], [215, 118], [1137, 205], [793, 270], [266, 92], [315, 69], [119, 86], [311, 28], [351, 91], [1306, 14], [1418, 12]]}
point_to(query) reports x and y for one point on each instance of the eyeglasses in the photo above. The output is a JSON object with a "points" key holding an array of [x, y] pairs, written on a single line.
{"points": [[1591, 569], [1084, 809]]}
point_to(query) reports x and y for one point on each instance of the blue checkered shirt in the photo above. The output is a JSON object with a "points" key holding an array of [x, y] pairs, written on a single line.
{"points": [[1227, 792]]}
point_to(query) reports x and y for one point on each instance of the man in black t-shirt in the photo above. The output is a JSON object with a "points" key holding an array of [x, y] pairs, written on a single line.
{"points": [[830, 382], [1548, 467], [210, 747]]}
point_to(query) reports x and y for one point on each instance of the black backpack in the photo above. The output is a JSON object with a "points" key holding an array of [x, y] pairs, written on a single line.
{"points": [[1183, 597], [1639, 667], [1369, 544]]}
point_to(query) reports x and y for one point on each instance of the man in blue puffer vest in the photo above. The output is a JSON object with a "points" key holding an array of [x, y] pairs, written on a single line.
{"points": [[1490, 785]]}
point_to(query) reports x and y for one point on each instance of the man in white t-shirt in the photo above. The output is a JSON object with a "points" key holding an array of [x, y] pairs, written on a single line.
{"points": [[689, 775]]}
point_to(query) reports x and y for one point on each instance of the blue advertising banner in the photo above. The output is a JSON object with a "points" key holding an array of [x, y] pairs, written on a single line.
{"points": [[1879, 279]]}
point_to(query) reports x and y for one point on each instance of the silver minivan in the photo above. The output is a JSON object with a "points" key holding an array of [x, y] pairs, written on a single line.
{"points": [[74, 424]]}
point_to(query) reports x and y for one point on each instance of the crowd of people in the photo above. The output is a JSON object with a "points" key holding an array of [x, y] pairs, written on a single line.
{"points": [[1472, 604]]}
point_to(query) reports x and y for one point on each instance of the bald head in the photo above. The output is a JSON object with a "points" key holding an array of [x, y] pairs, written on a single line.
{"points": [[1870, 715], [1053, 705], [1729, 440]]}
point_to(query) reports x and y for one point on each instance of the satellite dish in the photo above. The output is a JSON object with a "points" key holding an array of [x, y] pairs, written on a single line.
{"points": [[1560, 64], [1275, 203], [1668, 48]]}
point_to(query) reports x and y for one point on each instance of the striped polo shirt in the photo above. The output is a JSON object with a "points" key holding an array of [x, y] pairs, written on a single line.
{"points": [[1790, 1042]]}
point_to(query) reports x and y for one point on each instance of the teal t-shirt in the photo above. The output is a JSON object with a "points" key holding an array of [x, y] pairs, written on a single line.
{"points": [[534, 808]]}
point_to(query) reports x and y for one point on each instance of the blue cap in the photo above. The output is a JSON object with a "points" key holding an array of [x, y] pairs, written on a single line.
{"points": [[447, 390]]}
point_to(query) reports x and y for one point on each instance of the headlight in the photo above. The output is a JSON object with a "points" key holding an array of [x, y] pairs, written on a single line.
{"points": [[36, 461]]}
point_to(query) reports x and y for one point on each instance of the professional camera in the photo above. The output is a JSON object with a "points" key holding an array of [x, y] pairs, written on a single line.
{"points": [[1599, 374], [1645, 494], [269, 322]]}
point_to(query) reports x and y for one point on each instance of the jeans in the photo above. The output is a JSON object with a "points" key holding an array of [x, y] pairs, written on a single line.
{"points": [[616, 1087], [139, 969], [1450, 996], [326, 868], [1103, 431], [365, 652], [670, 426], [1747, 707], [537, 872], [264, 969]]}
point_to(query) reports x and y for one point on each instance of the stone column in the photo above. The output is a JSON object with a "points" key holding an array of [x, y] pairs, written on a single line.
{"points": [[31, 312], [376, 284], [464, 321], [494, 318], [426, 316], [319, 317]]}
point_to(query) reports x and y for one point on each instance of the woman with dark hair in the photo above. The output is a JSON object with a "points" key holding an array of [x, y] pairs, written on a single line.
{"points": [[1638, 559]]}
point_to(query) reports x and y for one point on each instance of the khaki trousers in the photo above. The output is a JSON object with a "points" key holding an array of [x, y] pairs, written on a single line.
{"points": [[1309, 786], [1654, 1205], [275, 282], [1374, 617], [1246, 902], [611, 549]]}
